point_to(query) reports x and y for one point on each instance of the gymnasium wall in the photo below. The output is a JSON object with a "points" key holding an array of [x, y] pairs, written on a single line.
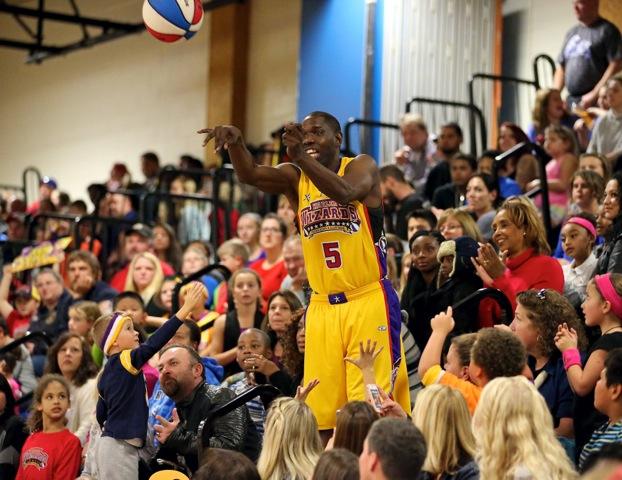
{"points": [[331, 58], [74, 116]]}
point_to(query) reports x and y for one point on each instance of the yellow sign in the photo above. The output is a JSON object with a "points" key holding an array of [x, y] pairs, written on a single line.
{"points": [[46, 253]]}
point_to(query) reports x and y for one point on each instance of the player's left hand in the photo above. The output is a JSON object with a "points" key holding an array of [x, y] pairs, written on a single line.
{"points": [[166, 428], [293, 139]]}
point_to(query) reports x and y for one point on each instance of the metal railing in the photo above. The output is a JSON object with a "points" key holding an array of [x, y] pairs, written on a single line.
{"points": [[512, 107], [365, 146], [219, 176], [540, 63], [31, 178], [445, 111], [103, 235]]}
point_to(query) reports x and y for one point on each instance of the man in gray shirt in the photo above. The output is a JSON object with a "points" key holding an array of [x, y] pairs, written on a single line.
{"points": [[591, 54]]}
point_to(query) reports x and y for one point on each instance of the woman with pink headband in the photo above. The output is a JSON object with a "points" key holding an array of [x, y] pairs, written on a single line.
{"points": [[602, 308], [578, 235]]}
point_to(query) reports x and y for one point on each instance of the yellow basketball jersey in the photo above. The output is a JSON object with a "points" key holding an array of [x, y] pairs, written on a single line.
{"points": [[344, 245]]}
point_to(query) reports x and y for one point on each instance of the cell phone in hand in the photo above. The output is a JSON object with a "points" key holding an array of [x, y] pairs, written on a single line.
{"points": [[375, 396]]}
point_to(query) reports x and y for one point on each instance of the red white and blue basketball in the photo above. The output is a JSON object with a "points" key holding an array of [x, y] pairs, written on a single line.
{"points": [[171, 20]]}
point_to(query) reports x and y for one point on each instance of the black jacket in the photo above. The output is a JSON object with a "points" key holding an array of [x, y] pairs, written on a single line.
{"points": [[610, 260], [234, 431]]}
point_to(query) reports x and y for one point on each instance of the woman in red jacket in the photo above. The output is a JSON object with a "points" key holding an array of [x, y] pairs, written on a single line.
{"points": [[525, 262]]}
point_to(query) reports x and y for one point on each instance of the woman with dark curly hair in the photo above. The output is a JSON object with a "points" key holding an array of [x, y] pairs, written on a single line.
{"points": [[71, 357], [282, 305], [289, 377], [536, 321]]}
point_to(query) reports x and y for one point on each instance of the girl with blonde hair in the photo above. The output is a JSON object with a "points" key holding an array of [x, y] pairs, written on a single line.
{"points": [[292, 444], [145, 277], [442, 415], [513, 429]]}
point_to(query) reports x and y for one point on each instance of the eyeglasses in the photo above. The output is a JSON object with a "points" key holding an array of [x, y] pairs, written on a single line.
{"points": [[270, 230], [541, 294]]}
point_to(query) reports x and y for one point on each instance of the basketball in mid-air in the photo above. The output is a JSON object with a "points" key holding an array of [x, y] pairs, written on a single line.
{"points": [[172, 20]]}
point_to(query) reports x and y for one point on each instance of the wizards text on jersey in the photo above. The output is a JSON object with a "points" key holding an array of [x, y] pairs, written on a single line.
{"points": [[326, 215]]}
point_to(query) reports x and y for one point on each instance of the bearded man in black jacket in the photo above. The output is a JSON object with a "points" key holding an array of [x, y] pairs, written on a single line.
{"points": [[182, 379]]}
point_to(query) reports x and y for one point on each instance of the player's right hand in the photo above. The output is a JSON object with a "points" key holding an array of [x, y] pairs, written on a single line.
{"points": [[224, 136]]}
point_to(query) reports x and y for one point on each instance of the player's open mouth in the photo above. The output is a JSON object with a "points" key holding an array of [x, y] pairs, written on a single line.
{"points": [[312, 152]]}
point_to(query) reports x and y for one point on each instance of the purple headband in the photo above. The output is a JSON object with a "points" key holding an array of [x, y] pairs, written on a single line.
{"points": [[584, 223], [112, 331], [603, 282]]}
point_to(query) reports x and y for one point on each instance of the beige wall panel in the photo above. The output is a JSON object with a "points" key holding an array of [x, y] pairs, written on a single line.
{"points": [[273, 66], [73, 116]]}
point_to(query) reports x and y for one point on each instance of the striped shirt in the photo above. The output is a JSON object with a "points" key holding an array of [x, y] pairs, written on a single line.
{"points": [[607, 433], [238, 383]]}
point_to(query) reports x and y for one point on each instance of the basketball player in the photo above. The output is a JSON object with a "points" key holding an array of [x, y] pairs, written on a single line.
{"points": [[339, 209]]}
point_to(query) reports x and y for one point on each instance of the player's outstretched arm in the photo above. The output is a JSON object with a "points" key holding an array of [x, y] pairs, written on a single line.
{"points": [[268, 179]]}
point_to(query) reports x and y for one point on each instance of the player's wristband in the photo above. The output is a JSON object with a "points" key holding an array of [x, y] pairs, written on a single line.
{"points": [[571, 357]]}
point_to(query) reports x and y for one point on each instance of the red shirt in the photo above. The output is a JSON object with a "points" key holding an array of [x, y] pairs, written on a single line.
{"points": [[527, 271], [222, 299], [50, 456], [271, 279], [18, 325]]}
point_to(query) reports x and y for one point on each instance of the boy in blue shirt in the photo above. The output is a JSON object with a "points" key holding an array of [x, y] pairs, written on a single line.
{"points": [[122, 409]]}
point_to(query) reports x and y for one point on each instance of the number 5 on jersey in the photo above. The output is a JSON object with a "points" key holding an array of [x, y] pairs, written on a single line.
{"points": [[332, 255]]}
